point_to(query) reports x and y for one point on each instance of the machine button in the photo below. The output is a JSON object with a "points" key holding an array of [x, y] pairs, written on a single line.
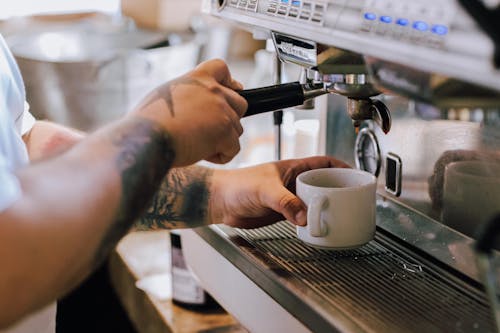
{"points": [[402, 22], [305, 15], [370, 16], [271, 9], [317, 18], [282, 10], [420, 26], [393, 174], [439, 29], [385, 19], [319, 8]]}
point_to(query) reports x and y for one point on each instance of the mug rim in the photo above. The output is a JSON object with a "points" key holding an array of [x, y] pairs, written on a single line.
{"points": [[370, 181], [456, 168]]}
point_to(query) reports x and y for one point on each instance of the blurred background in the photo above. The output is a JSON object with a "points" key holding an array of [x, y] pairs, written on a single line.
{"points": [[86, 63]]}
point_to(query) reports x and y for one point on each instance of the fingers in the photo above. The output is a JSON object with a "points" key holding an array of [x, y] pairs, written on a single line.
{"points": [[287, 204], [227, 149], [237, 103], [335, 163], [318, 162], [235, 122], [218, 69], [220, 72], [290, 169], [253, 222], [235, 85]]}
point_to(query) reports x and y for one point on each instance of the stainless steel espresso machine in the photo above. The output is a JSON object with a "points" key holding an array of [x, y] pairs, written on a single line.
{"points": [[414, 98]]}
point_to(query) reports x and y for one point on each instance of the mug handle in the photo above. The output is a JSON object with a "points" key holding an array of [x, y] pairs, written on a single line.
{"points": [[316, 227]]}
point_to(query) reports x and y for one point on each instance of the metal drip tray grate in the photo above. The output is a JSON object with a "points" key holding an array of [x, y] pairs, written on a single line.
{"points": [[379, 286]]}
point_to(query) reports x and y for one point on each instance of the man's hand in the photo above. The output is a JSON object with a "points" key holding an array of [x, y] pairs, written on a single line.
{"points": [[261, 195], [201, 112]]}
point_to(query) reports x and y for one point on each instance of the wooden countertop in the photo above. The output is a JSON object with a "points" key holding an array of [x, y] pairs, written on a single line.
{"points": [[142, 262]]}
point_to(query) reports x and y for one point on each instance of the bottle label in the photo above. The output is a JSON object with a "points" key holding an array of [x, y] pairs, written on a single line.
{"points": [[185, 288]]}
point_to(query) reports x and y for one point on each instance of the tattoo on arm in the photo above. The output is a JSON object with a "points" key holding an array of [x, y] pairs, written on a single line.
{"points": [[181, 201], [165, 91], [145, 155]]}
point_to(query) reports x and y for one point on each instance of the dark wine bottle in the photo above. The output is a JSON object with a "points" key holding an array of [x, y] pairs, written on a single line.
{"points": [[186, 290]]}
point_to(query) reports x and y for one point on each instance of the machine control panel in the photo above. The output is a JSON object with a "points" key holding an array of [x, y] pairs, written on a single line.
{"points": [[307, 11], [439, 36], [423, 22], [416, 22]]}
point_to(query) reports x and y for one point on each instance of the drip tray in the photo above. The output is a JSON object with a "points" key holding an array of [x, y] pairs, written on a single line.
{"points": [[380, 287]]}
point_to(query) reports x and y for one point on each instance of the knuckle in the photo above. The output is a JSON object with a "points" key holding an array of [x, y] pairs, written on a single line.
{"points": [[236, 148], [240, 130], [218, 103], [216, 89], [286, 203], [220, 63], [225, 121]]}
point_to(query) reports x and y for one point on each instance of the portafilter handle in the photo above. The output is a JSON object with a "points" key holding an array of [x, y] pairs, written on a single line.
{"points": [[280, 96]]}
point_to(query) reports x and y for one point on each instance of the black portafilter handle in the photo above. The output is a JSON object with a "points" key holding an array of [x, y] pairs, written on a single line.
{"points": [[271, 98]]}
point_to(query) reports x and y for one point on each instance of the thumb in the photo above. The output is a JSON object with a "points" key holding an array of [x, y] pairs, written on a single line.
{"points": [[289, 205]]}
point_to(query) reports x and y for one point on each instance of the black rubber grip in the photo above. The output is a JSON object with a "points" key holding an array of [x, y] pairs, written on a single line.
{"points": [[273, 98]]}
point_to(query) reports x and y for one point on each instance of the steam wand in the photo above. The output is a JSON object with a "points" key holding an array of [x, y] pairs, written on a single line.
{"points": [[277, 114]]}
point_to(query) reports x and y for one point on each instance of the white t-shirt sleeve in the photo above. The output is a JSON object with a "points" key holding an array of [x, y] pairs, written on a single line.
{"points": [[25, 121], [10, 189], [13, 154]]}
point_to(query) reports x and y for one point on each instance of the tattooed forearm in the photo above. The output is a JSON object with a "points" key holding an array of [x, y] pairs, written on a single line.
{"points": [[181, 201], [145, 155]]}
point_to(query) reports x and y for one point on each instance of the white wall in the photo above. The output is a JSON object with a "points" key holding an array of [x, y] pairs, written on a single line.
{"points": [[9, 8]]}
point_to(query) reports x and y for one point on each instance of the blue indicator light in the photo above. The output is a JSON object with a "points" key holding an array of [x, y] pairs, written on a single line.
{"points": [[402, 22], [284, 1], [295, 3], [386, 19], [370, 16], [439, 29], [420, 26]]}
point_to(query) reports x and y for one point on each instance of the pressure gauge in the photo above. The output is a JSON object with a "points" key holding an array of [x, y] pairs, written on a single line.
{"points": [[367, 152]]}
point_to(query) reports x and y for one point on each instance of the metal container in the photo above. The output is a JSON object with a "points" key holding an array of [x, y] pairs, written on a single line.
{"points": [[86, 77]]}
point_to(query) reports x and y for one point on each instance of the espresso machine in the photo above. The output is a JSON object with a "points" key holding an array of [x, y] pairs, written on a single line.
{"points": [[413, 97]]}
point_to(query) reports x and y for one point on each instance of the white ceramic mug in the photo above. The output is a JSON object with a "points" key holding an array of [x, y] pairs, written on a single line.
{"points": [[471, 194], [341, 207]]}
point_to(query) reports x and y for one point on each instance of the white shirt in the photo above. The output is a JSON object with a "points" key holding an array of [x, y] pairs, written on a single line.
{"points": [[15, 120]]}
